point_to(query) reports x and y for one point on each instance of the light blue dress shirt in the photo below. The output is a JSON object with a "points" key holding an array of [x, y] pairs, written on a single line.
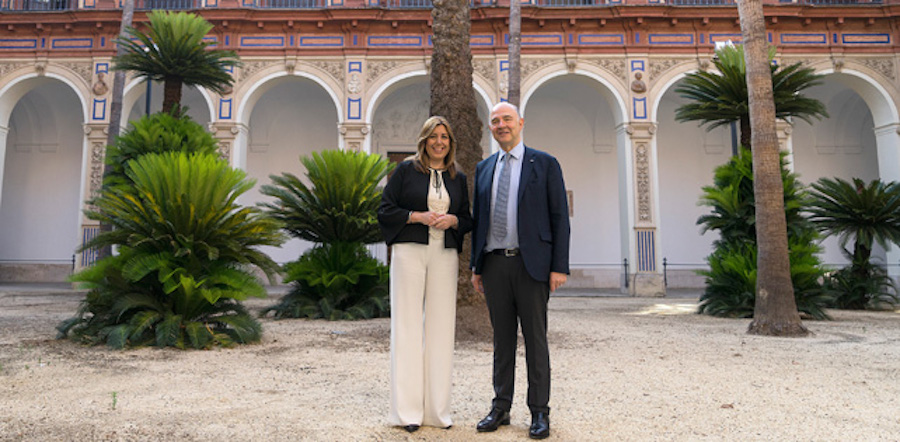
{"points": [[511, 241]]}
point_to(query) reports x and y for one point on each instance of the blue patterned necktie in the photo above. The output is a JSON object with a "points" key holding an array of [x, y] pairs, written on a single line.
{"points": [[498, 226]]}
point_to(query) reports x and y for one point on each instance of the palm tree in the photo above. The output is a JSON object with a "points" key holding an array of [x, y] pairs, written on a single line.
{"points": [[775, 312], [515, 52], [868, 214], [718, 99], [173, 51], [453, 97]]}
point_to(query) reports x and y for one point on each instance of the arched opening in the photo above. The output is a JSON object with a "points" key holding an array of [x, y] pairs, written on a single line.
{"points": [[688, 155], [293, 117], [40, 201], [573, 118]]}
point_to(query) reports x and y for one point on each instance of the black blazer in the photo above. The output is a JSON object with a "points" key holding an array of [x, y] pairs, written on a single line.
{"points": [[407, 190], [543, 214]]}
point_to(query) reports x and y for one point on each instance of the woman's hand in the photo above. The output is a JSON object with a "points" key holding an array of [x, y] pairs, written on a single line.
{"points": [[444, 222]]}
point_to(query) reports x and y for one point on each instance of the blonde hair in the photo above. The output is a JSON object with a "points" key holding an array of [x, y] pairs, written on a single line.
{"points": [[421, 160]]}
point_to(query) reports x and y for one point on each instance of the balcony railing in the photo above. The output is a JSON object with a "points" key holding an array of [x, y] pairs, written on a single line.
{"points": [[407, 4], [143, 5], [39, 5], [290, 4], [569, 3]]}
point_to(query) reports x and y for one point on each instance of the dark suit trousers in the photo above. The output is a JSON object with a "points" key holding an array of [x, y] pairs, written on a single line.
{"points": [[513, 295]]}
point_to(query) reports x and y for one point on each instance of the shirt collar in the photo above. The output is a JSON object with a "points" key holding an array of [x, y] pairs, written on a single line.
{"points": [[517, 152]]}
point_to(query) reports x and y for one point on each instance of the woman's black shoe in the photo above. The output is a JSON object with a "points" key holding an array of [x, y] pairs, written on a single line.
{"points": [[411, 428]]}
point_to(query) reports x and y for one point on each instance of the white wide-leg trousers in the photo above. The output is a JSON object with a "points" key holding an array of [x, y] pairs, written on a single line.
{"points": [[423, 323]]}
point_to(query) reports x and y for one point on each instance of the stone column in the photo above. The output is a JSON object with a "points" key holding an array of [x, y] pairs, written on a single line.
{"points": [[354, 136], [232, 137], [887, 139], [4, 132], [95, 140], [783, 131], [645, 272]]}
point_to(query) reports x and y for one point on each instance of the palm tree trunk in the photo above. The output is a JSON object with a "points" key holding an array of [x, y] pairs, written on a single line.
{"points": [[115, 108], [515, 52], [775, 312], [172, 95], [453, 97]]}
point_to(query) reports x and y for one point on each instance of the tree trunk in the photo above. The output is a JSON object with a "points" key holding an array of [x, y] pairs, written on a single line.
{"points": [[172, 95], [775, 312], [515, 52], [115, 107], [453, 97]]}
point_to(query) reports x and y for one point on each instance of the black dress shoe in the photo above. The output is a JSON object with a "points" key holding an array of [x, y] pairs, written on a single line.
{"points": [[540, 425], [411, 428], [493, 420]]}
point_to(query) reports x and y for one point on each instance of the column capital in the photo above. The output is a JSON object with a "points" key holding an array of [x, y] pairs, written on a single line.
{"points": [[640, 130]]}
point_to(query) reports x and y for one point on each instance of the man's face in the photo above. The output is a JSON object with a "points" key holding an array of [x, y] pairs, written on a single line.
{"points": [[506, 126]]}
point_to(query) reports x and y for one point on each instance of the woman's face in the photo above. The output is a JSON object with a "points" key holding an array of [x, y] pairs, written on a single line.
{"points": [[438, 145]]}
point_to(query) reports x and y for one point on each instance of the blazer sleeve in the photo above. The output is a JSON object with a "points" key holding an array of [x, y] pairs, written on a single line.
{"points": [[391, 217], [558, 203], [465, 214]]}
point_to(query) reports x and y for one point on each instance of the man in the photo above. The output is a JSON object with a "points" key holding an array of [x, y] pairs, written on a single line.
{"points": [[520, 253]]}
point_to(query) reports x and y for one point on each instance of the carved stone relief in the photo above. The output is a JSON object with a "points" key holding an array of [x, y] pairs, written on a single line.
{"points": [[642, 182], [354, 86], [616, 67], [254, 67], [224, 150], [530, 66], [485, 68], [98, 151], [657, 67], [333, 68], [375, 69], [100, 87], [884, 66], [84, 70], [9, 67]]}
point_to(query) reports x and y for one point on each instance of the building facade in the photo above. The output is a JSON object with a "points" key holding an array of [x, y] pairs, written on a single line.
{"points": [[598, 82]]}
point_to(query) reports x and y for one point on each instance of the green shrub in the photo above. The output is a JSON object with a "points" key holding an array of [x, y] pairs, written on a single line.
{"points": [[185, 253], [866, 214], [156, 133], [335, 281]]}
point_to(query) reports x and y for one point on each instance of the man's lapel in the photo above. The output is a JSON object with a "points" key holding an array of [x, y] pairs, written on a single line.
{"points": [[486, 180], [527, 167]]}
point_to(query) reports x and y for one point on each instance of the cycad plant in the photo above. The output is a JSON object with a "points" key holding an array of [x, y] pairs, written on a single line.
{"points": [[866, 214], [173, 50], [156, 133], [731, 280], [186, 250], [336, 279], [720, 98]]}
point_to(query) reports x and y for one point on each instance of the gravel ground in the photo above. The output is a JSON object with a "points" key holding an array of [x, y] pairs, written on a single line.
{"points": [[624, 369]]}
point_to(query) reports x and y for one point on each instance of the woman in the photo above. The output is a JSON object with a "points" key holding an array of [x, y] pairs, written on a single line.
{"points": [[424, 215]]}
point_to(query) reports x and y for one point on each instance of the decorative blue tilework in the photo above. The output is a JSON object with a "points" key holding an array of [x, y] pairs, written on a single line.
{"points": [[354, 108], [640, 108], [637, 65], [101, 68], [99, 110], [354, 66], [646, 250], [225, 109]]}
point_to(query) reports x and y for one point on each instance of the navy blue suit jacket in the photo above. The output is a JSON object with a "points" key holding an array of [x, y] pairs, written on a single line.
{"points": [[543, 214]]}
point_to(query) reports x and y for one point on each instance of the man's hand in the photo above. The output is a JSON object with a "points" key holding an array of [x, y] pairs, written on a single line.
{"points": [[476, 282], [557, 280]]}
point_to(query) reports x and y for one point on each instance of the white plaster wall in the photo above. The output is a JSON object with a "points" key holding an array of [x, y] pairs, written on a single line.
{"points": [[688, 156], [40, 202], [294, 118], [569, 118], [191, 98], [841, 146]]}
